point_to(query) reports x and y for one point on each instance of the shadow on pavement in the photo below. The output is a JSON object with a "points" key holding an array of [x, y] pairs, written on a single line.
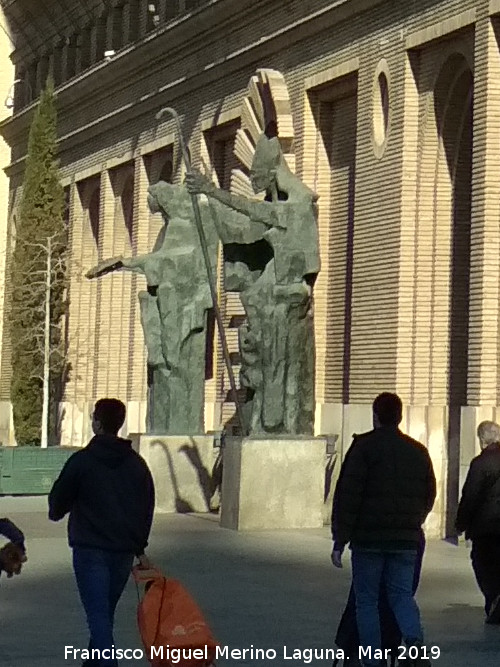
{"points": [[262, 589]]}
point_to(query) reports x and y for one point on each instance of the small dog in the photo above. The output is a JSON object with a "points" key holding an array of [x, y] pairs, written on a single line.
{"points": [[12, 557]]}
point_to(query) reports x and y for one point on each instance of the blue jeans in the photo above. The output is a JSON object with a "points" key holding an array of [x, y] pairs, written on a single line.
{"points": [[101, 577], [396, 570]]}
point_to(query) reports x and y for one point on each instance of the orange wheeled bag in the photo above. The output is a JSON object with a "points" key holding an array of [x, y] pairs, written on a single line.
{"points": [[171, 624]]}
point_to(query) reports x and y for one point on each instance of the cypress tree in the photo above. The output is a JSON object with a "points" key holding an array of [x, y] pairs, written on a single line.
{"points": [[41, 216]]}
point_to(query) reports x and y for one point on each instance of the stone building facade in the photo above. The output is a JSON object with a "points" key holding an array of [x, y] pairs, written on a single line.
{"points": [[7, 88], [396, 119]]}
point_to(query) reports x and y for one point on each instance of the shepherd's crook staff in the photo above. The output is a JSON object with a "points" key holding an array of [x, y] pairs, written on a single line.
{"points": [[211, 281]]}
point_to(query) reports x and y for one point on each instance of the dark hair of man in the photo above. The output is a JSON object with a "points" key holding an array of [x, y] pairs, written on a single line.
{"points": [[110, 413], [389, 409]]}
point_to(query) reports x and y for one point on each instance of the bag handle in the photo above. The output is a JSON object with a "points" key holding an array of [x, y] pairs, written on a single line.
{"points": [[142, 576], [160, 610]]}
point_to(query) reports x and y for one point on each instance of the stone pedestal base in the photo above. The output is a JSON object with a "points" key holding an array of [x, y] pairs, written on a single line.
{"points": [[182, 469], [273, 483]]}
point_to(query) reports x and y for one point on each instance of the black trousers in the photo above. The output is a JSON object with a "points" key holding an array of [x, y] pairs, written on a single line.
{"points": [[485, 558]]}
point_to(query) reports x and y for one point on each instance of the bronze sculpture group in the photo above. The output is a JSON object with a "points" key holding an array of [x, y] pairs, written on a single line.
{"points": [[271, 258]]}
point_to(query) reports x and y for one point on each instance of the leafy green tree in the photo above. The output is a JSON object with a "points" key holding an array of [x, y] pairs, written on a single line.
{"points": [[39, 278]]}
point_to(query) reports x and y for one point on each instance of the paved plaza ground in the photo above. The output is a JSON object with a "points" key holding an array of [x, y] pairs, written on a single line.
{"points": [[267, 589]]}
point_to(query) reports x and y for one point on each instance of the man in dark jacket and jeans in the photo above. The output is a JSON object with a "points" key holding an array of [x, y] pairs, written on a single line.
{"points": [[386, 490], [479, 516], [108, 491]]}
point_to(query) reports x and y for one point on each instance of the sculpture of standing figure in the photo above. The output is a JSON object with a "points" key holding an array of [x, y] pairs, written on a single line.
{"points": [[173, 312], [271, 251]]}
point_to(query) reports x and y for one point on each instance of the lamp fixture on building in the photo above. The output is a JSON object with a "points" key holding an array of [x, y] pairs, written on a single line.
{"points": [[9, 100], [154, 13]]}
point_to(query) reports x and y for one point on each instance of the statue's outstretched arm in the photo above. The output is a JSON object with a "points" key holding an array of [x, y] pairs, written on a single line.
{"points": [[137, 263], [258, 211], [117, 264]]}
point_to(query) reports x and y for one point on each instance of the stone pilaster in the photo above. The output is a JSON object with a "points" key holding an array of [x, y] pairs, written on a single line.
{"points": [[317, 174], [485, 239], [82, 352], [406, 329], [142, 244], [104, 292], [120, 283]]}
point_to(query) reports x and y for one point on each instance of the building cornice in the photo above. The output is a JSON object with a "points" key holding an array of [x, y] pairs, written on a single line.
{"points": [[183, 38], [180, 36]]}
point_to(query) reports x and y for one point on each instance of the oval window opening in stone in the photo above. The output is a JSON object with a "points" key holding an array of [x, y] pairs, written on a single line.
{"points": [[381, 110]]}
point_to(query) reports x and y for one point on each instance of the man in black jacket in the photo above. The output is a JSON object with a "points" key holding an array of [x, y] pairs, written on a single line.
{"points": [[108, 491], [479, 516], [385, 491]]}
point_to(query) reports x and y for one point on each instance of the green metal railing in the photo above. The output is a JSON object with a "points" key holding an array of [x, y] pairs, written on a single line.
{"points": [[31, 470]]}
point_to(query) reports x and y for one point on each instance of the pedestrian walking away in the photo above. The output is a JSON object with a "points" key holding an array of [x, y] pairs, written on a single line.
{"points": [[108, 491], [479, 517], [385, 491]]}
